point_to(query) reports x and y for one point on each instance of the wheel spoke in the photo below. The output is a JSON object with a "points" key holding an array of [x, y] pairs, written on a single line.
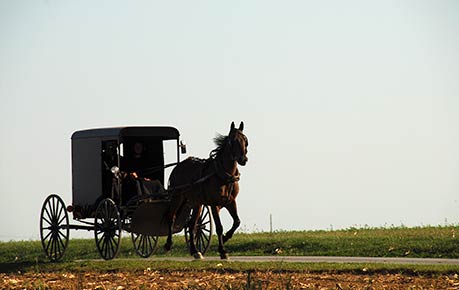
{"points": [[199, 243], [145, 245], [206, 214], [102, 247], [110, 248], [149, 244], [49, 215], [57, 250], [206, 237], [106, 246], [53, 245], [113, 240], [58, 216], [203, 225], [142, 244], [47, 235], [62, 219], [136, 237], [100, 243], [46, 220], [60, 239], [51, 207], [55, 206], [47, 245]]}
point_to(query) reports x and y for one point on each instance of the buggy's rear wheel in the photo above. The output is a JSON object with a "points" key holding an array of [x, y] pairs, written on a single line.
{"points": [[203, 231], [54, 227], [144, 245], [107, 229]]}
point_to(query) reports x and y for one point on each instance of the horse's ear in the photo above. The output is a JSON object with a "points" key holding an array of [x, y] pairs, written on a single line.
{"points": [[232, 126], [241, 126]]}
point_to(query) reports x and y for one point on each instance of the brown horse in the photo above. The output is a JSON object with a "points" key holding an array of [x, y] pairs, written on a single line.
{"points": [[212, 182]]}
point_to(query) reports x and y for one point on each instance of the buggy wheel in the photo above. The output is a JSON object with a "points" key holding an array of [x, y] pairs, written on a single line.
{"points": [[144, 245], [203, 231], [54, 227], [107, 229]]}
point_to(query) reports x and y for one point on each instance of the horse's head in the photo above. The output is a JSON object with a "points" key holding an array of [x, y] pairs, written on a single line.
{"points": [[238, 143]]}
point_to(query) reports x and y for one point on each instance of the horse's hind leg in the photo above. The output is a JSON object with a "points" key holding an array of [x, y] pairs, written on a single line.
{"points": [[219, 230], [168, 245], [196, 213], [171, 216], [232, 209]]}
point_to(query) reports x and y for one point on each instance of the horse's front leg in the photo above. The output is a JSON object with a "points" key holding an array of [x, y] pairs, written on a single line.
{"points": [[219, 229], [232, 209], [196, 213]]}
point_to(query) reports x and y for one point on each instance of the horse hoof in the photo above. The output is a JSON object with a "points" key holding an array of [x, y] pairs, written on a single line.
{"points": [[198, 256], [167, 247], [224, 256]]}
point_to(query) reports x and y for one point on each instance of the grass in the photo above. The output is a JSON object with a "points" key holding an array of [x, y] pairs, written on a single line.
{"points": [[421, 242], [427, 242]]}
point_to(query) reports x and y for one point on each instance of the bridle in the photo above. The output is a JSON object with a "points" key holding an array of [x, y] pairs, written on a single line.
{"points": [[220, 171]]}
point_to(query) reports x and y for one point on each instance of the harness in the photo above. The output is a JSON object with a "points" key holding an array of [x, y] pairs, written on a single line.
{"points": [[218, 170], [223, 175]]}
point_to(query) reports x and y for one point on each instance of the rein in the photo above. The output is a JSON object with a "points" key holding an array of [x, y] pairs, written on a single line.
{"points": [[222, 174]]}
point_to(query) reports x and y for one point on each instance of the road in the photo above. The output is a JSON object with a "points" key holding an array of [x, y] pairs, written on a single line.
{"points": [[322, 259]]}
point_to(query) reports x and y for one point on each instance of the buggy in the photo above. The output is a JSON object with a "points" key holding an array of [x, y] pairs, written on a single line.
{"points": [[118, 185]]}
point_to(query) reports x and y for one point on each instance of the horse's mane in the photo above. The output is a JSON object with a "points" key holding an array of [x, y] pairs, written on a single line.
{"points": [[220, 141]]}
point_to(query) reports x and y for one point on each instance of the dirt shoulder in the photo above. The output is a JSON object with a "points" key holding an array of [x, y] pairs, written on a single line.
{"points": [[217, 280]]}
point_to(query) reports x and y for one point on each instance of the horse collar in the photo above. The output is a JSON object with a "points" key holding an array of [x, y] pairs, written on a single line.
{"points": [[221, 173]]}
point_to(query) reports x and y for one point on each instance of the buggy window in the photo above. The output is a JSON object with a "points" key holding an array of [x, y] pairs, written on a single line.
{"points": [[145, 156], [109, 159]]}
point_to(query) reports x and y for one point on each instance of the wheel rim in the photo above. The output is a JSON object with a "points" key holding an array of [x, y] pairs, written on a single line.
{"points": [[203, 231], [54, 230], [107, 229], [144, 245]]}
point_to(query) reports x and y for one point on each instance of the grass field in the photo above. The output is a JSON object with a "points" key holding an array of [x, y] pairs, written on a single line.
{"points": [[426, 242]]}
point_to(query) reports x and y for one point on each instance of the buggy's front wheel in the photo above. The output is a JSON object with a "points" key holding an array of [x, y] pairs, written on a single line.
{"points": [[144, 245], [107, 229], [54, 227]]}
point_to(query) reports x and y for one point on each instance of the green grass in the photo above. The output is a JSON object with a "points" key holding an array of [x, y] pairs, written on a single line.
{"points": [[421, 242], [427, 242], [142, 265]]}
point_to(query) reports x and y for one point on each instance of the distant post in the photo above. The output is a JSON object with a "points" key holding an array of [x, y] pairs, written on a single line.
{"points": [[270, 223]]}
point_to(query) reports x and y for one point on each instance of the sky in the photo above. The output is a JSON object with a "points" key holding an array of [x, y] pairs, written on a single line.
{"points": [[351, 107]]}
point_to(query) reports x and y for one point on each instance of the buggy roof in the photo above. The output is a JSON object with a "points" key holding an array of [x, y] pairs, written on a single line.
{"points": [[165, 133]]}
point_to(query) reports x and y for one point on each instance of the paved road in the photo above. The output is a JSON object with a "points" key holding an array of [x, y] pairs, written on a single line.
{"points": [[313, 259]]}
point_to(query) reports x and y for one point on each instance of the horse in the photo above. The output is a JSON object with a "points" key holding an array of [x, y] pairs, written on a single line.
{"points": [[212, 182]]}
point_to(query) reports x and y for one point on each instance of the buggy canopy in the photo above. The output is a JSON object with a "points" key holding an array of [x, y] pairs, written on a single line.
{"points": [[164, 133]]}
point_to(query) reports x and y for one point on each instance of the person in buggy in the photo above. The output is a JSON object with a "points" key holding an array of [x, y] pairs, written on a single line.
{"points": [[132, 183]]}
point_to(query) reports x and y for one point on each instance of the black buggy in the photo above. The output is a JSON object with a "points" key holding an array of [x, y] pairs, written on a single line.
{"points": [[117, 185]]}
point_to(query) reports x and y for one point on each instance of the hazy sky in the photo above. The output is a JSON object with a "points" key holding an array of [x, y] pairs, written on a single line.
{"points": [[351, 107]]}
